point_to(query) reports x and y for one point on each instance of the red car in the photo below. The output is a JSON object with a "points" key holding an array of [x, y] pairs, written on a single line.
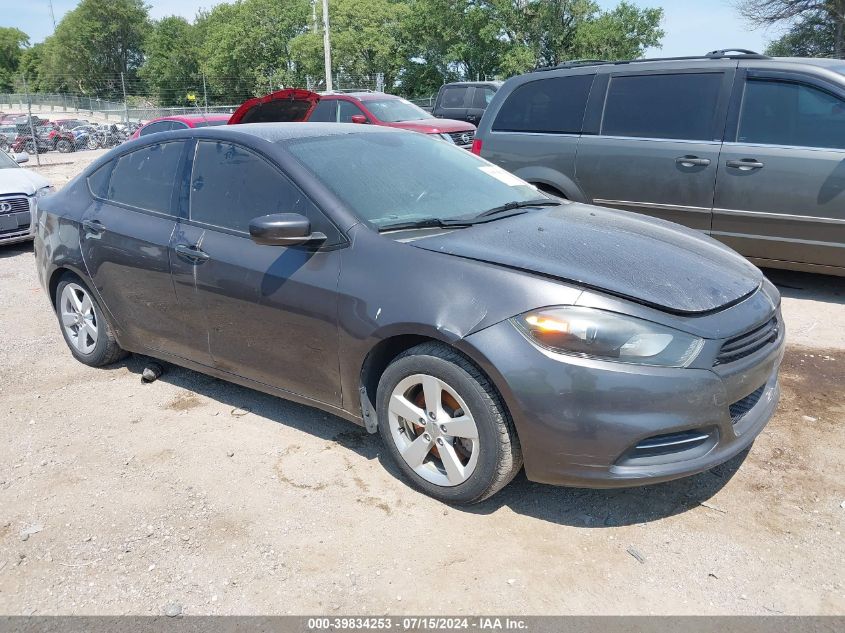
{"points": [[375, 108], [180, 122]]}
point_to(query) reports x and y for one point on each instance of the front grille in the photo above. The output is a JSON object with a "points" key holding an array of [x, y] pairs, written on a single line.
{"points": [[746, 344], [739, 408], [463, 138], [14, 205]]}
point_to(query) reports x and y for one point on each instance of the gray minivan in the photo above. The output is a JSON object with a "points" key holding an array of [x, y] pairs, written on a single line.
{"points": [[747, 148]]}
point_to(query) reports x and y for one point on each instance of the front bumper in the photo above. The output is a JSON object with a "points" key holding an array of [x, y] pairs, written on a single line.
{"points": [[597, 424]]}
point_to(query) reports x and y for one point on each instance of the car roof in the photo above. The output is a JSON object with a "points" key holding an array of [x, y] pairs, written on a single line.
{"points": [[281, 132], [360, 95], [189, 118], [475, 83]]}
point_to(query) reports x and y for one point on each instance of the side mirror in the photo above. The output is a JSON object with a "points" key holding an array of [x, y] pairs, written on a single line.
{"points": [[358, 118], [283, 229], [23, 157]]}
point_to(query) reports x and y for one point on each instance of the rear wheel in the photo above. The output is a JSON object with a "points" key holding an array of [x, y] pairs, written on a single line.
{"points": [[445, 425], [64, 146], [87, 333], [92, 143]]}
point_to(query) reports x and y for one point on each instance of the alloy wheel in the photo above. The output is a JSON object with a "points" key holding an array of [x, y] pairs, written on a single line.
{"points": [[79, 319], [433, 429]]}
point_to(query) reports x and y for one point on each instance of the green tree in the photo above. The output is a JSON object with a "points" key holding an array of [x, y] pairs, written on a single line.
{"points": [[93, 44], [801, 15], [246, 46], [13, 43], [366, 38], [30, 66], [812, 36], [451, 39], [171, 67]]}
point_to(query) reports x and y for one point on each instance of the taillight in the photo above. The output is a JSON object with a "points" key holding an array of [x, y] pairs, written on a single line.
{"points": [[476, 147]]}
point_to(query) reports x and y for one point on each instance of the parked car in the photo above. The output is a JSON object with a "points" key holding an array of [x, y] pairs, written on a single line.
{"points": [[10, 117], [375, 108], [8, 134], [180, 122], [24, 143], [402, 283], [57, 138], [464, 100], [20, 192], [71, 124], [744, 147]]}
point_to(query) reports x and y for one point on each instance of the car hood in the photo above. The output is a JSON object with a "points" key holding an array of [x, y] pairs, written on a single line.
{"points": [[283, 106], [21, 180], [434, 126], [650, 261]]}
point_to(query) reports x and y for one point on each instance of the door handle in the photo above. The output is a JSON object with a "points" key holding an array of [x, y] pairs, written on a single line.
{"points": [[692, 161], [746, 164], [93, 226], [192, 253]]}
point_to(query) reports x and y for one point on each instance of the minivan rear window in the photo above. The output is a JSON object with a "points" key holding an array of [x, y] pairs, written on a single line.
{"points": [[555, 105], [671, 106]]}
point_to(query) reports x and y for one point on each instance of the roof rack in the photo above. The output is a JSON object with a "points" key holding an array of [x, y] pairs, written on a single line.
{"points": [[725, 53]]}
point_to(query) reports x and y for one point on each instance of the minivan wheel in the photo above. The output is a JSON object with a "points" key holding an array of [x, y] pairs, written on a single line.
{"points": [[88, 335], [445, 425]]}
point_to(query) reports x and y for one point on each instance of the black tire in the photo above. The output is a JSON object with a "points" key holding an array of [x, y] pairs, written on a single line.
{"points": [[500, 455], [29, 147], [64, 146], [92, 143], [106, 350], [4, 145]]}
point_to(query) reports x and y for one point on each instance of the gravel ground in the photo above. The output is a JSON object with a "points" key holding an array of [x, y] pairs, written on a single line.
{"points": [[193, 494]]}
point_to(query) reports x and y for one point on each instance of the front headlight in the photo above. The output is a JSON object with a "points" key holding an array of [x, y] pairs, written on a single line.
{"points": [[592, 333], [44, 191]]}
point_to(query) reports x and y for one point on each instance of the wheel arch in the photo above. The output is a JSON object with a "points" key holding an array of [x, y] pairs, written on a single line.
{"points": [[388, 349]]}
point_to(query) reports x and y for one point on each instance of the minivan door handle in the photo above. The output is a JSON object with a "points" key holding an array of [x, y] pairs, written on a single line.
{"points": [[692, 161], [93, 226], [746, 164], [191, 253]]}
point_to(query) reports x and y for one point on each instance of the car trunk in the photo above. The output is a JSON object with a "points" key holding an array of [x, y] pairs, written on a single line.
{"points": [[283, 106]]}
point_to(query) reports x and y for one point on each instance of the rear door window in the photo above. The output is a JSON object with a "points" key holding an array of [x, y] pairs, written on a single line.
{"points": [[324, 112], [791, 114], [555, 105], [679, 106], [145, 178], [482, 97], [230, 185], [158, 126]]}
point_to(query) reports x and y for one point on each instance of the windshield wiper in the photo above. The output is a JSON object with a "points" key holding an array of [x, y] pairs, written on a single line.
{"points": [[510, 206], [425, 223]]}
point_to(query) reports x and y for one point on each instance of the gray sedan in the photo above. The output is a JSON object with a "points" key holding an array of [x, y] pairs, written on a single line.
{"points": [[408, 286]]}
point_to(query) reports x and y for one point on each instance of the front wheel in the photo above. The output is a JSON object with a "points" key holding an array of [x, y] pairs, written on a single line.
{"points": [[64, 146], [445, 425], [88, 335]]}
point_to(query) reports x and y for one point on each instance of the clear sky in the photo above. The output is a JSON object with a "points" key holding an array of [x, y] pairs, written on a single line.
{"points": [[692, 27]]}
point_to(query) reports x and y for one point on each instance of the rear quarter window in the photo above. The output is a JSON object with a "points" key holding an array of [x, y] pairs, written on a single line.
{"points": [[555, 105]]}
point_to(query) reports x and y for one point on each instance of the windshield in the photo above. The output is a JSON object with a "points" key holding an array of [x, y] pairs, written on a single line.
{"points": [[396, 110], [404, 177], [6, 161]]}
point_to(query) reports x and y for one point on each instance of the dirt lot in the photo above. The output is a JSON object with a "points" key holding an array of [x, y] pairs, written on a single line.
{"points": [[191, 493]]}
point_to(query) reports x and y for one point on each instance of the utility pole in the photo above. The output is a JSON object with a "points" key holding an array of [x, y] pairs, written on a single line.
{"points": [[125, 106], [204, 94], [52, 14], [31, 124], [327, 47]]}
